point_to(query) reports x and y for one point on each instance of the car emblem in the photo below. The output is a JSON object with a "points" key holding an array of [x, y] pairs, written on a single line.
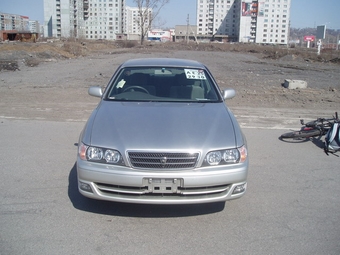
{"points": [[163, 161]]}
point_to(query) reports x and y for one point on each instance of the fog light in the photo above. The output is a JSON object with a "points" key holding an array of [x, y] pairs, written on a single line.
{"points": [[239, 188], [85, 187]]}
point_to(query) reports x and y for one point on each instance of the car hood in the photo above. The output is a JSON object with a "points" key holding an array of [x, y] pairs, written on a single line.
{"points": [[155, 126]]}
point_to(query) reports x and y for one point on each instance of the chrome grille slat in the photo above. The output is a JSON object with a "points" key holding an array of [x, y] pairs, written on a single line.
{"points": [[206, 191], [163, 160], [120, 189], [142, 191]]}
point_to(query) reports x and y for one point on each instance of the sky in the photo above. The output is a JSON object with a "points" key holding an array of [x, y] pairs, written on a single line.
{"points": [[304, 13]]}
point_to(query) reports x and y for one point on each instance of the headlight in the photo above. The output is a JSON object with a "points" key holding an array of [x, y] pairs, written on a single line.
{"points": [[100, 155], [112, 156], [94, 153], [229, 156], [214, 158]]}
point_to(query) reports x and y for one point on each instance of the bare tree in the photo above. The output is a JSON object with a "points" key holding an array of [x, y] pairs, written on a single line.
{"points": [[158, 22], [147, 12]]}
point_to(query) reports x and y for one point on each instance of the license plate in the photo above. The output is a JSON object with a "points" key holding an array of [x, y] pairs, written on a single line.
{"points": [[160, 185]]}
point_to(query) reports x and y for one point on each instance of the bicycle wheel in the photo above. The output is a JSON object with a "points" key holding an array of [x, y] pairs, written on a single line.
{"points": [[301, 134]]}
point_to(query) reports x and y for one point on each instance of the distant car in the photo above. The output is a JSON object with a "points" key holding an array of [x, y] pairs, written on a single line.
{"points": [[162, 134]]}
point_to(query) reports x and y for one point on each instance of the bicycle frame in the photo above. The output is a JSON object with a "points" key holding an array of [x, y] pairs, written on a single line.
{"points": [[318, 127]]}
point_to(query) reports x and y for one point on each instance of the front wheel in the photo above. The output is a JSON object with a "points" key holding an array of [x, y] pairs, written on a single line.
{"points": [[301, 134]]}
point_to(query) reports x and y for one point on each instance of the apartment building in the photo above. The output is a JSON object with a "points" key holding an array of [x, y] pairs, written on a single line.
{"points": [[270, 21], [14, 27], [34, 26], [132, 21], [257, 21], [90, 19], [105, 19], [217, 17], [58, 18], [14, 22]]}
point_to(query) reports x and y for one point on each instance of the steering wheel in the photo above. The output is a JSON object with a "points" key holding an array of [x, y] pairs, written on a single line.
{"points": [[132, 88]]}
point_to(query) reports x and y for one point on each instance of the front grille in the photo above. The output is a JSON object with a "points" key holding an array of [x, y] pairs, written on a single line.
{"points": [[163, 160]]}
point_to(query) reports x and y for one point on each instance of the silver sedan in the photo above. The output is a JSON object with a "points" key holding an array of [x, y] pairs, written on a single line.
{"points": [[162, 134]]}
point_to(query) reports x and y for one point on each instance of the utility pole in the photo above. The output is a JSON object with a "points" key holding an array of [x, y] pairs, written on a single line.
{"points": [[187, 35]]}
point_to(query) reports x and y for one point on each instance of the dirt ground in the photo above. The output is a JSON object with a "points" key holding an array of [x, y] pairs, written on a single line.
{"points": [[50, 80]]}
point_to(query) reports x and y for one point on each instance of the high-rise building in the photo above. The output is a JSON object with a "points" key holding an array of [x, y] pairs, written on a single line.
{"points": [[90, 19], [16, 22], [133, 21], [105, 19], [258, 21], [57, 18], [34, 26]]}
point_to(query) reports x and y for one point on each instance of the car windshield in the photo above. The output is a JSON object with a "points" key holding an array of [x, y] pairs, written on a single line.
{"points": [[162, 84]]}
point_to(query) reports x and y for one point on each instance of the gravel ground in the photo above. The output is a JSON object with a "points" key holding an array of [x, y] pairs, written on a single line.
{"points": [[56, 89]]}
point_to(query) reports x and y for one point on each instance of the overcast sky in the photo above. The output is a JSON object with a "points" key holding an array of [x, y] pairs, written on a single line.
{"points": [[304, 13]]}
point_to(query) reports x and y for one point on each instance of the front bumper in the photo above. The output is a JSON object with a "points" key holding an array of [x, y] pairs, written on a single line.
{"points": [[128, 185]]}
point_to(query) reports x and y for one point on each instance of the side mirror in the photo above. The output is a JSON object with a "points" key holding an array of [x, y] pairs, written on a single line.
{"points": [[95, 91], [228, 93]]}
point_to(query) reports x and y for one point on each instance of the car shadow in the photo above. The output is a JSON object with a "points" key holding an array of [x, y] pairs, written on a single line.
{"points": [[135, 210]]}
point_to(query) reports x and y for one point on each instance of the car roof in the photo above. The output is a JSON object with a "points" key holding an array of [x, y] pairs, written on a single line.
{"points": [[173, 62]]}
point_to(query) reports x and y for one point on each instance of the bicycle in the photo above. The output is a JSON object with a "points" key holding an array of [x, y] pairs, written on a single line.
{"points": [[318, 127]]}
